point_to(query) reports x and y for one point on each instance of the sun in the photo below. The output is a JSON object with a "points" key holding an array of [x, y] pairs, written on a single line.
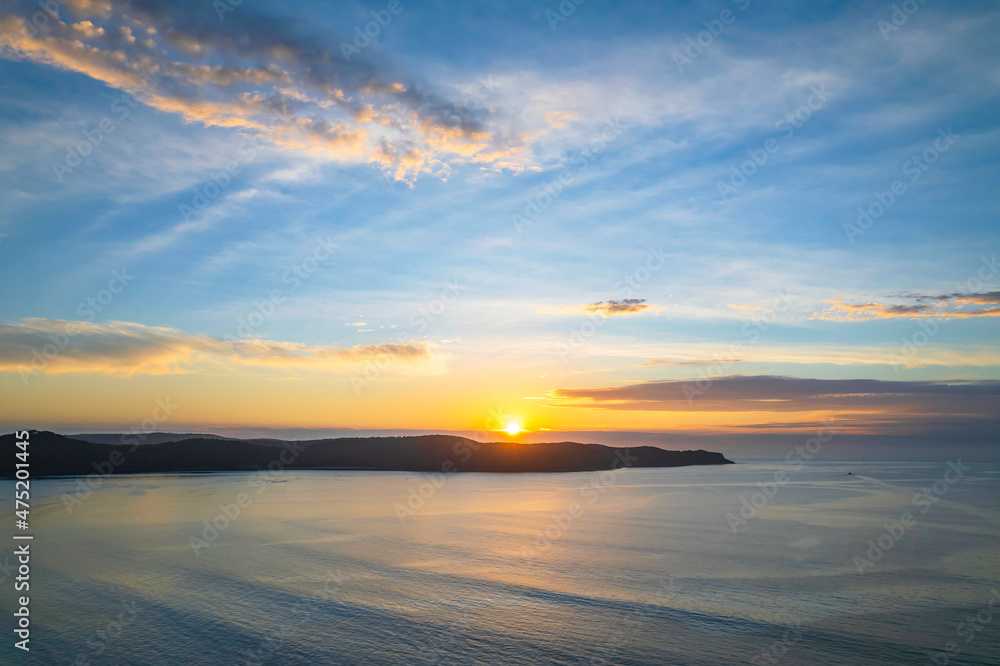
{"points": [[513, 428]]}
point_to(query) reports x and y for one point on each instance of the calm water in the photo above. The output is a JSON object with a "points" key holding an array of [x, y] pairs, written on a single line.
{"points": [[639, 567]]}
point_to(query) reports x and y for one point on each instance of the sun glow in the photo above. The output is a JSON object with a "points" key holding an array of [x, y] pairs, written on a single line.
{"points": [[513, 428]]}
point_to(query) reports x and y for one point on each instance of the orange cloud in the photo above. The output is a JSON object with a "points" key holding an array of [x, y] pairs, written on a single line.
{"points": [[299, 96], [609, 308], [839, 310], [89, 7], [769, 393], [560, 119], [88, 29], [53, 346]]}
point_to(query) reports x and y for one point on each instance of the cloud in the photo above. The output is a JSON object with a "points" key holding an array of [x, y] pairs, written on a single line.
{"points": [[983, 298], [839, 310], [624, 306], [770, 393], [261, 76], [664, 361], [560, 119], [647, 353], [54, 346], [608, 308]]}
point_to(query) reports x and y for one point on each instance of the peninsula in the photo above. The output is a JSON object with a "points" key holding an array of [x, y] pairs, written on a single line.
{"points": [[52, 454]]}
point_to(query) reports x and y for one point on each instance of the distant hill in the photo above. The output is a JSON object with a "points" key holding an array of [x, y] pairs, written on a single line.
{"points": [[145, 438], [131, 439], [55, 455]]}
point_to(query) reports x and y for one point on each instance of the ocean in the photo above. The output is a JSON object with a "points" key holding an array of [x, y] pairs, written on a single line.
{"points": [[762, 562]]}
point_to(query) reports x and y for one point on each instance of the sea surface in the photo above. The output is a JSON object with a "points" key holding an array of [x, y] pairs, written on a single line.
{"points": [[639, 566]]}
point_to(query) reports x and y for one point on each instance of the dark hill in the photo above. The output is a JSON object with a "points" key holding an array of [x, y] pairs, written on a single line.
{"points": [[146, 438], [52, 455]]}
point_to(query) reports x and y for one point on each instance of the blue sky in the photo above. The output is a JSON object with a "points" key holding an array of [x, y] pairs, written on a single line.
{"points": [[415, 161]]}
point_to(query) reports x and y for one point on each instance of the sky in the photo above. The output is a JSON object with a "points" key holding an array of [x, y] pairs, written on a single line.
{"points": [[726, 218]]}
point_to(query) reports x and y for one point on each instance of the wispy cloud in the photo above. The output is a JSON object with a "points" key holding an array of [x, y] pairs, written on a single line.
{"points": [[840, 310], [257, 75], [54, 346], [652, 355], [982, 298], [609, 308], [769, 393], [665, 361]]}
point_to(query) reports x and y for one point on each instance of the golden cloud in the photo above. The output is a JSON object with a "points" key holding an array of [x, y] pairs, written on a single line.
{"points": [[54, 346], [840, 310], [609, 308], [301, 95]]}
